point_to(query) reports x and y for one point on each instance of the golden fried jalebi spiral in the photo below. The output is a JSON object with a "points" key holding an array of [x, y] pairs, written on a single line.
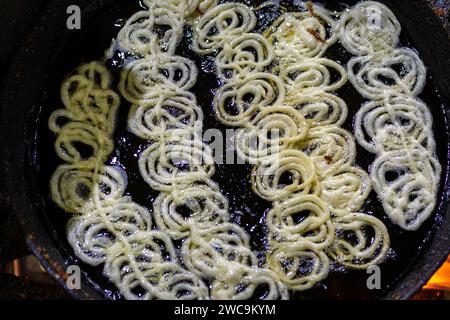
{"points": [[300, 222], [273, 129], [97, 230], [299, 270], [138, 35], [88, 99], [237, 101], [370, 243], [200, 6], [284, 174], [178, 284], [72, 186], [84, 139], [166, 115], [188, 7], [85, 126], [299, 35], [147, 268], [407, 182], [221, 252], [331, 149], [221, 23], [369, 27], [346, 190], [376, 75], [248, 53], [312, 75], [79, 142], [393, 124], [143, 79], [176, 162], [200, 205], [246, 286], [320, 108]]}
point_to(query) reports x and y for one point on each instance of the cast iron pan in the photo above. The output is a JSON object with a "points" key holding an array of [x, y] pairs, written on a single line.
{"points": [[31, 92]]}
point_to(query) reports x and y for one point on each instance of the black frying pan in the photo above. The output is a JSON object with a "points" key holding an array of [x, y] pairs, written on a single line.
{"points": [[30, 93]]}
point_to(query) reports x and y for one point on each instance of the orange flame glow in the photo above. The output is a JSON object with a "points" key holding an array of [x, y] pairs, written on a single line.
{"points": [[441, 279]]}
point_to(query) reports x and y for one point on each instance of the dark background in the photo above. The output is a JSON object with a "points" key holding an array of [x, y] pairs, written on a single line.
{"points": [[17, 17]]}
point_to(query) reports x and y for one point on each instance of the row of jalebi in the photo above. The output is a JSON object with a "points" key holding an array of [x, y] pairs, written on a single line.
{"points": [[395, 125], [178, 163], [109, 228], [277, 90]]}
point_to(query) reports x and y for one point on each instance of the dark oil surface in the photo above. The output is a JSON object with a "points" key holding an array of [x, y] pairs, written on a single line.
{"points": [[247, 209]]}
